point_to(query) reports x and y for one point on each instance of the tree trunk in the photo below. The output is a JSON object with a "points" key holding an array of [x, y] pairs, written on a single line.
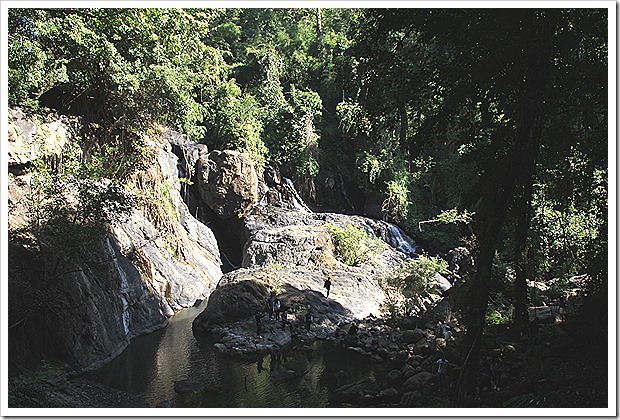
{"points": [[537, 30], [319, 25], [523, 210]]}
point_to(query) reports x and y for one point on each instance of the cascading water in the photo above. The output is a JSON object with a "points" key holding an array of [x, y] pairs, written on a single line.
{"points": [[124, 289], [398, 239], [298, 203]]}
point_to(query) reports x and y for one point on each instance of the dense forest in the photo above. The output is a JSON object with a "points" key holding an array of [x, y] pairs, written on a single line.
{"points": [[478, 128]]}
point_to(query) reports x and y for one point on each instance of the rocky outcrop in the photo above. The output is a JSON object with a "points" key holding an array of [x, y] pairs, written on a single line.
{"points": [[291, 252], [125, 284], [227, 181], [29, 140], [460, 263]]}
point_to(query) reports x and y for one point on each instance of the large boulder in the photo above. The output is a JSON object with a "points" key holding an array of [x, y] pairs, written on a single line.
{"points": [[190, 268], [419, 382], [227, 182], [412, 336], [308, 246], [86, 314], [545, 314]]}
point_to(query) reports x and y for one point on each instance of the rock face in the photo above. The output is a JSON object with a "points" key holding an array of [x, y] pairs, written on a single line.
{"points": [[291, 252], [29, 140], [126, 284], [227, 181]]}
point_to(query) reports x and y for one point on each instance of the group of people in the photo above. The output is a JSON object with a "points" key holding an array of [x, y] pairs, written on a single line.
{"points": [[276, 311]]}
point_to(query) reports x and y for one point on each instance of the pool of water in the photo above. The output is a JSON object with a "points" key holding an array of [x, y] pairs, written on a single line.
{"points": [[152, 364]]}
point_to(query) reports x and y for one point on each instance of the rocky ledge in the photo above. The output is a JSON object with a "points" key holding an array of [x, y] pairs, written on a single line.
{"points": [[290, 254]]}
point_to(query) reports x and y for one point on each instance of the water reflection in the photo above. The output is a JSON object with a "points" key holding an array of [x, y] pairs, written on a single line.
{"points": [[153, 363]]}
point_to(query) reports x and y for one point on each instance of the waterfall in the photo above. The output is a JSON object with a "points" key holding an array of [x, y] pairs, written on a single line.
{"points": [[124, 289], [298, 203], [262, 201], [398, 239]]}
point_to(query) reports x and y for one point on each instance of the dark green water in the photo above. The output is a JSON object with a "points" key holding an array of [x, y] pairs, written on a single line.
{"points": [[152, 363]]}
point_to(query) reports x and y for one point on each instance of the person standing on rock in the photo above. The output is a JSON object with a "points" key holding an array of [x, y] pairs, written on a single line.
{"points": [[270, 303], [276, 308], [327, 285], [284, 318], [442, 372], [258, 316], [562, 308]]}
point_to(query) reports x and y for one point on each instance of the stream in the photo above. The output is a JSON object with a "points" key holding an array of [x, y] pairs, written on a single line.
{"points": [[152, 363]]}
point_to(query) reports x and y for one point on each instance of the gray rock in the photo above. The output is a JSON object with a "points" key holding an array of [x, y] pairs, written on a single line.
{"points": [[390, 394], [419, 381], [221, 347], [408, 371], [227, 182], [545, 314], [394, 377], [29, 139], [423, 347], [130, 283], [410, 399]]}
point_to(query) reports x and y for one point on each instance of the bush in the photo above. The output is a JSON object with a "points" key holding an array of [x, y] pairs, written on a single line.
{"points": [[353, 244], [409, 283]]}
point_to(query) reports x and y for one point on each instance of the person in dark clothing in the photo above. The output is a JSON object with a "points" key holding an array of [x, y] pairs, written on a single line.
{"points": [[327, 285], [442, 372], [276, 308], [284, 318], [270, 303], [258, 317]]}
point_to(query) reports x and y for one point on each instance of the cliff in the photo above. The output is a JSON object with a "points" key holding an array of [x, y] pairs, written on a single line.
{"points": [[82, 309]]}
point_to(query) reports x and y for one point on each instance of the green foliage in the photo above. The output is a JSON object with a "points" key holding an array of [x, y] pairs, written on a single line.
{"points": [[234, 122], [564, 239], [408, 284], [453, 216], [124, 68], [354, 120], [32, 70], [70, 202], [353, 244], [396, 205]]}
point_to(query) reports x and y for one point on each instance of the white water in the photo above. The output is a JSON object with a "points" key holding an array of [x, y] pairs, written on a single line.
{"points": [[298, 203], [400, 240], [124, 289]]}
